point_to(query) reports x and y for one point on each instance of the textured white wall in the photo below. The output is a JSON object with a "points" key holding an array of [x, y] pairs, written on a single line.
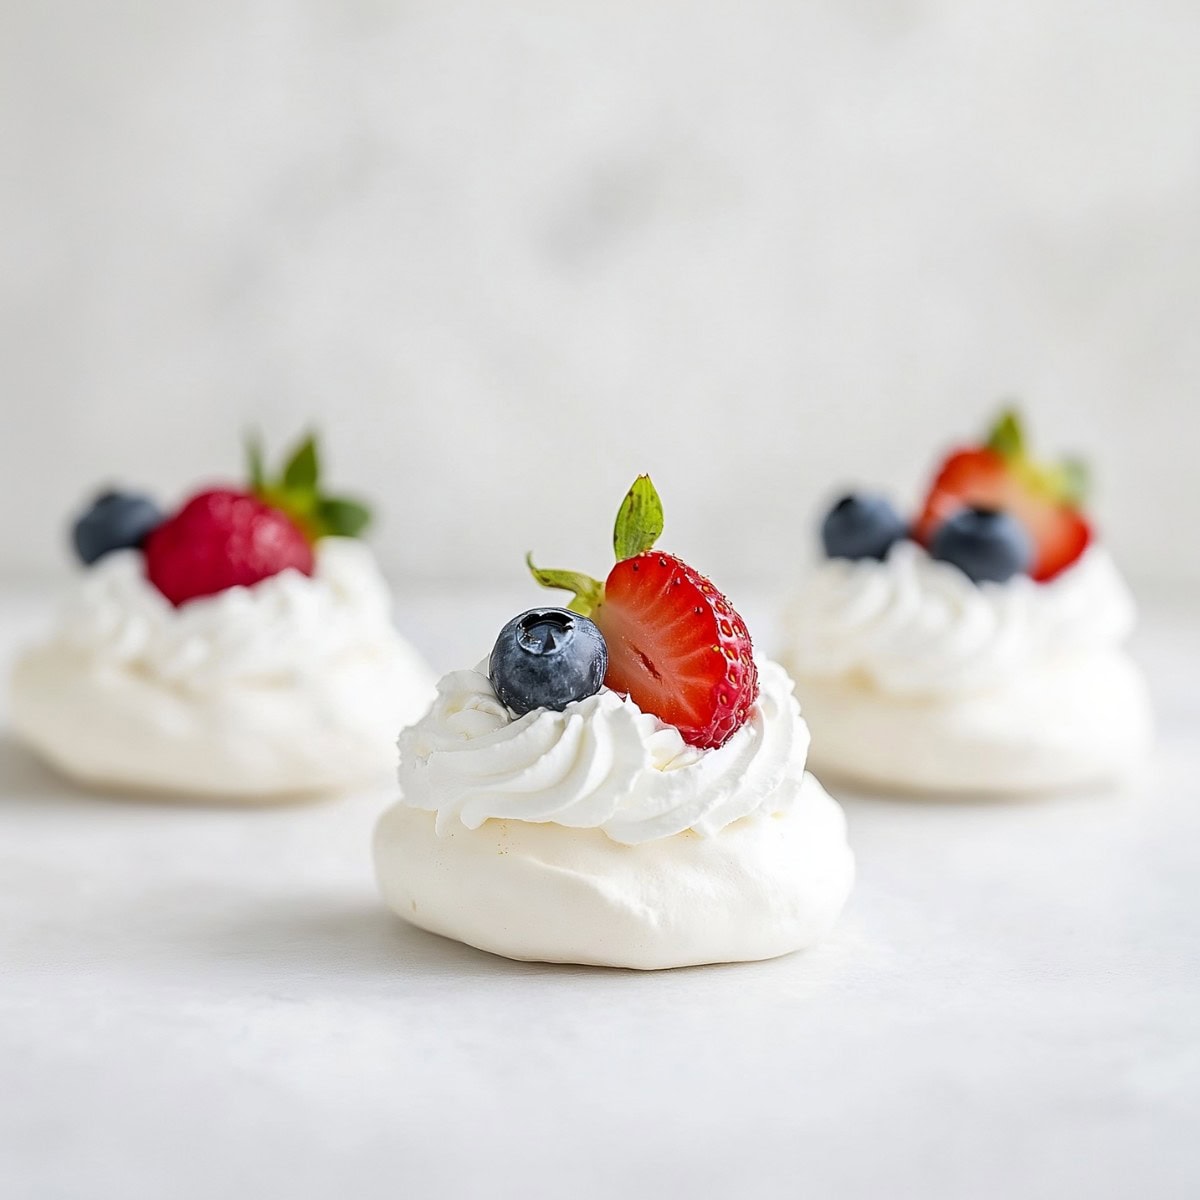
{"points": [[507, 255]]}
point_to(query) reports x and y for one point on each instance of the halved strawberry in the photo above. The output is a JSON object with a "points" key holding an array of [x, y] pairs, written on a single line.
{"points": [[676, 646], [1000, 475]]}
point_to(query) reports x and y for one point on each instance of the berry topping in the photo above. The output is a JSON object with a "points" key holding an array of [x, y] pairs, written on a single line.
{"points": [[986, 545], [861, 525], [233, 537], [1000, 475], [115, 521], [546, 658], [676, 646], [222, 539], [297, 492]]}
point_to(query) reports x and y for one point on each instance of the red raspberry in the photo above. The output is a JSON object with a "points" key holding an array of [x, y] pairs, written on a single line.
{"points": [[221, 539]]}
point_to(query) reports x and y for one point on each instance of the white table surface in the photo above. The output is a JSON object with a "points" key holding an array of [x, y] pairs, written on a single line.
{"points": [[202, 1002]]}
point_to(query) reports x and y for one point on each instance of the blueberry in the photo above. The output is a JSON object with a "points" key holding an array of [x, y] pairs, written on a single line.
{"points": [[547, 657], [115, 521], [984, 544], [861, 525]]}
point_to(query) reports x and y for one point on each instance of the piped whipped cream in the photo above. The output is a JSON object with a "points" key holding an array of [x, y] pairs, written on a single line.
{"points": [[288, 628], [295, 685], [601, 763], [911, 626]]}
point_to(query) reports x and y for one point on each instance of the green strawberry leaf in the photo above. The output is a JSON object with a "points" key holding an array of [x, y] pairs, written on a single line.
{"points": [[340, 516], [1066, 482], [297, 493], [1074, 482], [588, 592], [254, 462], [1006, 437], [639, 520], [302, 469]]}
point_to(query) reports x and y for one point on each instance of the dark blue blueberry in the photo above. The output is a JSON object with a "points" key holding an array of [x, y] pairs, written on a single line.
{"points": [[861, 525], [115, 521], [984, 544], [547, 657]]}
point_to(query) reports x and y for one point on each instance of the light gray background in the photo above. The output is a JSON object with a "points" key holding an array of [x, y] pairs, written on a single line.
{"points": [[507, 255]]}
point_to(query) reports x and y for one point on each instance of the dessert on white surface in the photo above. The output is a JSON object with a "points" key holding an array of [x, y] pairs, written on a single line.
{"points": [[292, 682], [294, 685], [980, 651], [912, 676], [629, 791], [770, 884]]}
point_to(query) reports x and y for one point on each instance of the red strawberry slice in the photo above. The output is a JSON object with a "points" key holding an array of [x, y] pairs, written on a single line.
{"points": [[222, 539], [677, 647], [1000, 476]]}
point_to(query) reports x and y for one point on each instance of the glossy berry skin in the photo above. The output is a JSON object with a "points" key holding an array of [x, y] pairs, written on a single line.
{"points": [[861, 525], [677, 648], [222, 539], [547, 658], [115, 521], [982, 478], [985, 544]]}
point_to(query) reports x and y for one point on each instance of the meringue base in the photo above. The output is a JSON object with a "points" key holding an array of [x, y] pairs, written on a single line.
{"points": [[1077, 723], [762, 887], [119, 730]]}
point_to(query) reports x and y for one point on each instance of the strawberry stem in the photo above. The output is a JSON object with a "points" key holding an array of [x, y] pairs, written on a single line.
{"points": [[1066, 482], [638, 526], [296, 491], [588, 592]]}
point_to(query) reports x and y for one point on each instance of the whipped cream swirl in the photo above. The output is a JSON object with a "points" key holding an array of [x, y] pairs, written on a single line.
{"points": [[285, 629], [295, 685], [600, 763], [915, 627]]}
